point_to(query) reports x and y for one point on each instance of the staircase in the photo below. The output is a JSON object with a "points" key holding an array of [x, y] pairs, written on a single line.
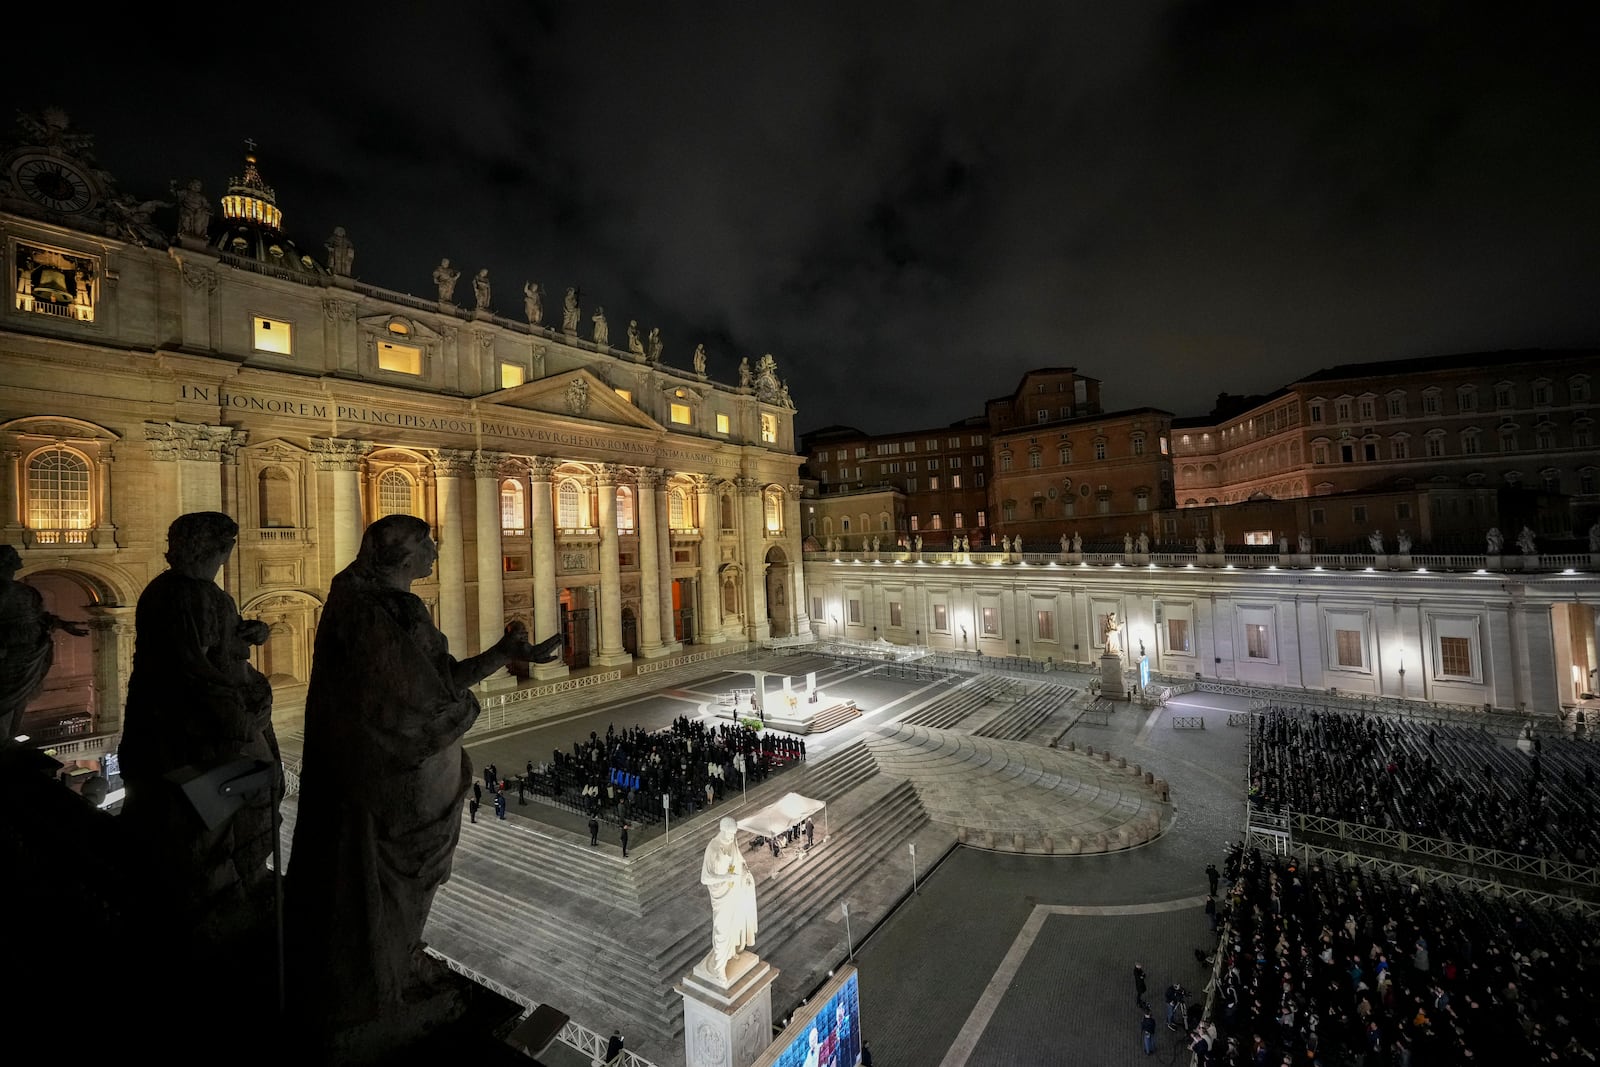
{"points": [[1026, 715]]}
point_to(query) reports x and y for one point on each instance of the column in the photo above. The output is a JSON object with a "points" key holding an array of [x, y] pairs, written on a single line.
{"points": [[339, 460], [449, 464], [112, 629], [710, 621], [491, 560], [650, 479], [663, 509], [546, 597], [794, 541], [198, 451], [753, 538], [610, 653], [13, 497]]}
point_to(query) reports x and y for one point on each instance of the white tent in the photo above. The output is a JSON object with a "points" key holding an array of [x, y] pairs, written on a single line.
{"points": [[777, 817]]}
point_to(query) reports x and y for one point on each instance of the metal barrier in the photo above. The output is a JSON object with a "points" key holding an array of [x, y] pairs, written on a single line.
{"points": [[1188, 722], [1239, 718]]}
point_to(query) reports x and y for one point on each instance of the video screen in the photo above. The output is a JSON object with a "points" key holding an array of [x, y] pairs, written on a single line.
{"points": [[832, 1036]]}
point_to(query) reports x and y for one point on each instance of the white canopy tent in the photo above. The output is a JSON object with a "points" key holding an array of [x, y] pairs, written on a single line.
{"points": [[777, 817]]}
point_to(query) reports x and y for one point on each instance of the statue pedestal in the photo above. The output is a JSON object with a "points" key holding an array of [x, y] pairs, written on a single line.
{"points": [[728, 1023], [1111, 685]]}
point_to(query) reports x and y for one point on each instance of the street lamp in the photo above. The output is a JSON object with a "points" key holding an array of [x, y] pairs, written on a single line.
{"points": [[912, 845], [850, 944]]}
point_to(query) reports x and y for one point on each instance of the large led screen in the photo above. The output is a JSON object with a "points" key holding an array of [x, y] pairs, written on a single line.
{"points": [[824, 1033]]}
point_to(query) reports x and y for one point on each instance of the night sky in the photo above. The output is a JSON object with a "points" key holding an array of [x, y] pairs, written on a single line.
{"points": [[911, 204]]}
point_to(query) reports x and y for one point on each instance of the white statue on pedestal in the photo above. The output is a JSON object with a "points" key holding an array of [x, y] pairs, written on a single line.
{"points": [[1113, 634], [733, 900]]}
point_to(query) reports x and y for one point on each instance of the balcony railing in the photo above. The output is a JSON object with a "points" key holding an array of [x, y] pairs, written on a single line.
{"points": [[60, 538]]}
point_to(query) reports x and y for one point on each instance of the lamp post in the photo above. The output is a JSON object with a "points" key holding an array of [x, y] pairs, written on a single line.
{"points": [[666, 807], [912, 845], [849, 941]]}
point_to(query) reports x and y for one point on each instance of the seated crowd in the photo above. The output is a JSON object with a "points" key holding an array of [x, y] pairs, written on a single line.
{"points": [[1349, 965], [1454, 782], [623, 776]]}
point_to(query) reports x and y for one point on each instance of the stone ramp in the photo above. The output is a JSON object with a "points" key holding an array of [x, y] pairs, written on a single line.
{"points": [[1013, 796]]}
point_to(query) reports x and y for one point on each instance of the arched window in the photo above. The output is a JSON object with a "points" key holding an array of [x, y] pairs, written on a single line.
{"points": [[394, 493], [883, 520], [58, 496], [774, 510], [727, 512], [624, 509], [276, 491], [567, 506], [512, 509], [678, 503]]}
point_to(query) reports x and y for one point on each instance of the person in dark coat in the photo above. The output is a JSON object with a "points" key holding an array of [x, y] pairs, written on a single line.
{"points": [[500, 805], [614, 1047], [624, 834], [472, 808], [1211, 877], [594, 830]]}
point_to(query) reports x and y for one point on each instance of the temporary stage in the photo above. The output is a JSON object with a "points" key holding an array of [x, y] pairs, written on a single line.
{"points": [[789, 810]]}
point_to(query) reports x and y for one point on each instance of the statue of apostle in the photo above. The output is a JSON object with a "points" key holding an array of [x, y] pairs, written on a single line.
{"points": [[733, 900], [382, 783]]}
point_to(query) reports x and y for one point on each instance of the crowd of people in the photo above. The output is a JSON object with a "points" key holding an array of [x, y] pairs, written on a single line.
{"points": [[623, 775], [1346, 965], [1454, 782]]}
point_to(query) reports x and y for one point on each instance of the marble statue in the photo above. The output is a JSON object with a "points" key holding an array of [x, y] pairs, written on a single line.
{"points": [[196, 705], [1077, 542], [733, 899], [194, 210], [1525, 542], [654, 346], [1375, 542], [635, 345], [341, 253], [1218, 545], [1113, 634], [1283, 543], [602, 332], [445, 277], [1144, 542], [570, 311], [1063, 543], [1594, 538], [382, 782], [700, 360], [917, 542], [1493, 541], [783, 395], [1199, 544], [1305, 543], [533, 303], [744, 373], [26, 645], [1127, 544], [1403, 543], [480, 289]]}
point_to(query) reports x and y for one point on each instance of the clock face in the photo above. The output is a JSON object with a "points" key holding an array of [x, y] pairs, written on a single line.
{"points": [[52, 183]]}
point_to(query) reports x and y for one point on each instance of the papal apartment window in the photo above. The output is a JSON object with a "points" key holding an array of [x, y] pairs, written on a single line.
{"points": [[1435, 445], [1467, 398], [983, 517], [1578, 390], [1504, 396], [1397, 405], [681, 415], [1034, 460], [1367, 411], [1343, 407], [958, 524], [1138, 444], [58, 497], [1400, 448], [1256, 641], [1430, 402], [1064, 454], [936, 522], [1316, 412], [1358, 513], [1045, 625], [1541, 393], [1005, 461], [1469, 443], [273, 335], [991, 621], [1099, 450], [914, 521], [399, 359], [512, 509]]}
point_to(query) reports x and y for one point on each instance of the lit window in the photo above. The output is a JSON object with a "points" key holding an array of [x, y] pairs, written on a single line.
{"points": [[567, 506], [769, 429], [774, 510], [936, 522], [955, 481], [394, 493], [894, 614], [1455, 656], [626, 394], [933, 484], [959, 525], [1178, 635], [678, 510], [624, 509], [1045, 625], [511, 507], [401, 359], [511, 375], [1256, 641], [681, 415], [1348, 643], [58, 495], [983, 519], [271, 335], [991, 621]]}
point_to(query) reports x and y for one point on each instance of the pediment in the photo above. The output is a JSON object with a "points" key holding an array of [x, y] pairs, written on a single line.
{"points": [[278, 449], [576, 394]]}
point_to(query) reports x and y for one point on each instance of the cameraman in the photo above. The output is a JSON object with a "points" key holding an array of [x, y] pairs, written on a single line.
{"points": [[1175, 996]]}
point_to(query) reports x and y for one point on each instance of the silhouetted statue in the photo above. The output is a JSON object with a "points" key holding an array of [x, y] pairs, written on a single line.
{"points": [[382, 783], [26, 645], [197, 709]]}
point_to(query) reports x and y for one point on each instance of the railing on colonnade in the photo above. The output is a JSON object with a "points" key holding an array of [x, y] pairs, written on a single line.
{"points": [[573, 1035]]}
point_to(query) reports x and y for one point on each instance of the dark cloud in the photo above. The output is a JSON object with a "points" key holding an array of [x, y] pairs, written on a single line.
{"points": [[910, 204]]}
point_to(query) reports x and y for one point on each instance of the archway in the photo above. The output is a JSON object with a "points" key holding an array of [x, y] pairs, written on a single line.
{"points": [[68, 704], [780, 612]]}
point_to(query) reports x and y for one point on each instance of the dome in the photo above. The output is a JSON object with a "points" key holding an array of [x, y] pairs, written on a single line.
{"points": [[252, 226]]}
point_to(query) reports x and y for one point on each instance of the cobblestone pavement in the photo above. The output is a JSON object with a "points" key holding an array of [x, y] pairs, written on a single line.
{"points": [[937, 987]]}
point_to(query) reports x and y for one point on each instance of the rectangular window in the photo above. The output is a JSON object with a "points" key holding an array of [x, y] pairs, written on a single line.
{"points": [[959, 524], [401, 359], [273, 335], [1257, 645], [1402, 510], [1367, 414], [1455, 656], [1348, 643], [1138, 446], [1469, 444], [816, 607], [1045, 624], [911, 485], [1178, 635], [911, 466], [1503, 396], [681, 415], [769, 429], [1467, 400], [991, 621], [855, 611], [1319, 517], [1359, 513], [1435, 447], [1430, 403], [933, 463], [933, 484], [955, 481], [983, 519], [894, 614], [511, 375], [941, 618], [1397, 406], [1400, 448], [915, 520]]}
